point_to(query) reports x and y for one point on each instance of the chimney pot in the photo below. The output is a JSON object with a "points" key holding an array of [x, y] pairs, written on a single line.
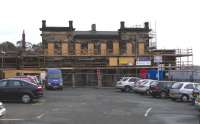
{"points": [[71, 24], [43, 23], [93, 27], [122, 25], [146, 25]]}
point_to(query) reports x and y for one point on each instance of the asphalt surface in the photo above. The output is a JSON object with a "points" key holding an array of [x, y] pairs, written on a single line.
{"points": [[100, 106]]}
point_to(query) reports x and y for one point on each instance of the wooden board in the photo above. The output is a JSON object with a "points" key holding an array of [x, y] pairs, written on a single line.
{"points": [[141, 48], [113, 61], [115, 48], [129, 48], [50, 49], [64, 49], [127, 61], [91, 48], [103, 49], [78, 49]]}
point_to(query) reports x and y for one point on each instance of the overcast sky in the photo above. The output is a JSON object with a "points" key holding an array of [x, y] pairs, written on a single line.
{"points": [[177, 22]]}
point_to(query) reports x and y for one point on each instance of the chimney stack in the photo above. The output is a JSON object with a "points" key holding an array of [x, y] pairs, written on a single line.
{"points": [[146, 25], [93, 27], [122, 25], [43, 23], [71, 24]]}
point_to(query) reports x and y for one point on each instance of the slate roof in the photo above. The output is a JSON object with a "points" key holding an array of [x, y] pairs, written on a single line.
{"points": [[96, 34]]}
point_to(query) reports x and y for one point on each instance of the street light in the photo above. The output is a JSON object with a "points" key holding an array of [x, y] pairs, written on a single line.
{"points": [[2, 55]]}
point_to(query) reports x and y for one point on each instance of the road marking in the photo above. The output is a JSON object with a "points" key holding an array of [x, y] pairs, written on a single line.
{"points": [[40, 116], [14, 119], [147, 112]]}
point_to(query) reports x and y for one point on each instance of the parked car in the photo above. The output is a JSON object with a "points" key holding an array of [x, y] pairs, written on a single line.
{"points": [[54, 79], [182, 91], [32, 79], [15, 89], [143, 86], [126, 83], [160, 88], [2, 110], [197, 102]]}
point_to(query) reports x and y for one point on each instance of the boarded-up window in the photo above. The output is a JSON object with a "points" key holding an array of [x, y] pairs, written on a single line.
{"points": [[116, 48], [129, 49], [64, 49], [141, 48], [50, 49], [103, 48], [78, 48], [113, 61], [90, 48]]}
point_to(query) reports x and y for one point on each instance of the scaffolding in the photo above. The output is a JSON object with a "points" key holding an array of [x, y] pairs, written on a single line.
{"points": [[184, 58]]}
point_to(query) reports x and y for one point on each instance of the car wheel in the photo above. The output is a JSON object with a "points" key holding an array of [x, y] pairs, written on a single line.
{"points": [[163, 95], [122, 90], [147, 92], [184, 98], [127, 88], [26, 98]]}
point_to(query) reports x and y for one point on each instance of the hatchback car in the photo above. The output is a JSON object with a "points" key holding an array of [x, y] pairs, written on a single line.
{"points": [[143, 86], [2, 109], [182, 91], [125, 84], [160, 88], [14, 90]]}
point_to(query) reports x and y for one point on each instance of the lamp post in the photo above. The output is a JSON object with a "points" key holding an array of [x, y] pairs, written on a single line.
{"points": [[2, 58]]}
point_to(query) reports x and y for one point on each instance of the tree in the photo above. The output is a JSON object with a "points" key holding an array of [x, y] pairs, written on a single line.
{"points": [[7, 46]]}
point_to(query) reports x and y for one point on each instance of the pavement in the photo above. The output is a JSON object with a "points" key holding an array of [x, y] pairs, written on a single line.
{"points": [[99, 106]]}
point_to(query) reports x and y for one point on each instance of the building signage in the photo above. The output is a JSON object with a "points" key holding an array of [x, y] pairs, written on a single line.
{"points": [[143, 61], [157, 59]]}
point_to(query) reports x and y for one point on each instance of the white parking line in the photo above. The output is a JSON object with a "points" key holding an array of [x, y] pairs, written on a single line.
{"points": [[40, 116], [147, 112], [14, 119]]}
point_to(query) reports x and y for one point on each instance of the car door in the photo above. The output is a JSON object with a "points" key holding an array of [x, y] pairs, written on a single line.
{"points": [[3, 84], [188, 89], [13, 89]]}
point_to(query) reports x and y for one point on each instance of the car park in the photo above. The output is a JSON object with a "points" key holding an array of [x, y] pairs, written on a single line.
{"points": [[126, 83], [143, 86], [160, 88], [182, 91], [2, 110], [19, 90]]}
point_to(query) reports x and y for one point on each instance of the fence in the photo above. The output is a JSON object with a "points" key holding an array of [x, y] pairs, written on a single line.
{"points": [[91, 79], [184, 75]]}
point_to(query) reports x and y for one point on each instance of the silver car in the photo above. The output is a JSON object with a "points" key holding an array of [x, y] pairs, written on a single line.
{"points": [[2, 109], [125, 84], [143, 86], [182, 91]]}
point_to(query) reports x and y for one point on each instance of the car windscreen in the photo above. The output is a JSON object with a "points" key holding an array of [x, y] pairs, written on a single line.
{"points": [[50, 76], [177, 85], [197, 86], [154, 83], [124, 79]]}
